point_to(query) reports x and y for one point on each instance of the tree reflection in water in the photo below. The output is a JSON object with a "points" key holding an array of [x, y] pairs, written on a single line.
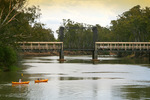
{"points": [[137, 92]]}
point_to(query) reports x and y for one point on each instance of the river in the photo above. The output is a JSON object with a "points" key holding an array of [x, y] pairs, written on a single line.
{"points": [[78, 78]]}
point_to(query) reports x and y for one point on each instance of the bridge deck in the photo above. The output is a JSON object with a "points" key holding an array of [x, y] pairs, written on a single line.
{"points": [[41, 45], [133, 46], [99, 46]]}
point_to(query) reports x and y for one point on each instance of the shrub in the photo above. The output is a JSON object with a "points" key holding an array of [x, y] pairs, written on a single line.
{"points": [[8, 58]]}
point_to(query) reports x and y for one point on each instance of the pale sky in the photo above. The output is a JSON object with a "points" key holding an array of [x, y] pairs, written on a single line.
{"points": [[83, 11]]}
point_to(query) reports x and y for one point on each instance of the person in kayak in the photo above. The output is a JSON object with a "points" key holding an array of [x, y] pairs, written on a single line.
{"points": [[20, 80]]}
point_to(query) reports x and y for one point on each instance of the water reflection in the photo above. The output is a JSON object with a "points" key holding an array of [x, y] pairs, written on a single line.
{"points": [[86, 78], [13, 92], [135, 92], [86, 59], [7, 77], [78, 78]]}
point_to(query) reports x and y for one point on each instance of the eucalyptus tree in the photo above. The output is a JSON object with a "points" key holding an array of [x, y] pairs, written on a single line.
{"points": [[9, 9], [16, 24], [16, 20], [76, 35], [132, 25], [40, 33]]}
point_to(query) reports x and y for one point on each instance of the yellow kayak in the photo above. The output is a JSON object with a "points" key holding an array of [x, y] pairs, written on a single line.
{"points": [[26, 82], [44, 80]]}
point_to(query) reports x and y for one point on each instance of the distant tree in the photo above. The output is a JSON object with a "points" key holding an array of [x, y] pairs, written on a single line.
{"points": [[39, 33], [104, 34], [77, 35], [132, 25]]}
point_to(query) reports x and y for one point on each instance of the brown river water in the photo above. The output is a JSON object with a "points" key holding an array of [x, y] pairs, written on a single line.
{"points": [[78, 78]]}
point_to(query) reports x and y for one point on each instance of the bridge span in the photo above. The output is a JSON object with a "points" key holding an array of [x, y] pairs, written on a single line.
{"points": [[122, 46], [98, 47], [35, 46], [42, 47]]}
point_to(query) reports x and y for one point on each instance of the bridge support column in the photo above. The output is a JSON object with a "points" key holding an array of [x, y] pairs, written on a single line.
{"points": [[94, 55], [94, 52], [149, 57], [61, 55]]}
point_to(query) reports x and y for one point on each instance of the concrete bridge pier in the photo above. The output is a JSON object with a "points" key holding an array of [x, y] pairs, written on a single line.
{"points": [[94, 55], [94, 52], [149, 57], [61, 55]]}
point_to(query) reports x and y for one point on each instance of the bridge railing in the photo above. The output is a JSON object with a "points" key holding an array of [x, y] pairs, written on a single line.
{"points": [[41, 45], [122, 45]]}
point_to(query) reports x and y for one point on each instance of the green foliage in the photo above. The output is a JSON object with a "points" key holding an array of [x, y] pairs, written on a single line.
{"points": [[8, 58], [39, 33], [80, 35], [104, 34], [76, 33], [18, 23], [132, 25]]}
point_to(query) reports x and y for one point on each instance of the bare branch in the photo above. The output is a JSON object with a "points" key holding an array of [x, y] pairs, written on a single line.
{"points": [[7, 16], [1, 14], [10, 6], [12, 18], [16, 7]]}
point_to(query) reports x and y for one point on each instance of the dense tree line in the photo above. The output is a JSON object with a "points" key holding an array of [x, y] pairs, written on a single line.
{"points": [[19, 23], [76, 33], [131, 26], [39, 33], [80, 35]]}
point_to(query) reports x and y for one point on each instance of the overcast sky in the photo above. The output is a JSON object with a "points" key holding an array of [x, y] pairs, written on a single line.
{"points": [[83, 11]]}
